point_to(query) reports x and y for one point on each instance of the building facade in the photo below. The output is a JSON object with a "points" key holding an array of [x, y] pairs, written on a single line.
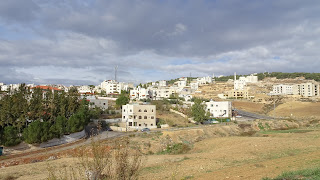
{"points": [[306, 89], [219, 109], [138, 116]]}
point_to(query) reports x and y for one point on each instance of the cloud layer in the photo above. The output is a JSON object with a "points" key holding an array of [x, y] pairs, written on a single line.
{"points": [[81, 41]]}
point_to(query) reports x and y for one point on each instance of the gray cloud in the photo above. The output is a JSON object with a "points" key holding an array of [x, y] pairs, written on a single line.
{"points": [[157, 39]]}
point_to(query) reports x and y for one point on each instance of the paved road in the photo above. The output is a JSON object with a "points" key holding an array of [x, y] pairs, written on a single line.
{"points": [[45, 151], [252, 115]]}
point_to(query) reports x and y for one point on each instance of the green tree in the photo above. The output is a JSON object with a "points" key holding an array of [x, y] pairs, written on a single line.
{"points": [[122, 100], [198, 111], [10, 136]]}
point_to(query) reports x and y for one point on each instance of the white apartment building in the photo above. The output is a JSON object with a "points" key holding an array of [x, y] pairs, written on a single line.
{"points": [[219, 109], [204, 80], [111, 86], [84, 89], [163, 83], [139, 93], [182, 83], [306, 89], [162, 92], [139, 116], [239, 84], [282, 89], [9, 87], [252, 79], [194, 86]]}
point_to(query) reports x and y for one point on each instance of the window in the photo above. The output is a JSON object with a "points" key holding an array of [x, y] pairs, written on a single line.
{"points": [[135, 123], [139, 124], [124, 117], [139, 110], [140, 117], [130, 123], [124, 110], [152, 110], [151, 124], [145, 117], [152, 117], [145, 110], [130, 110]]}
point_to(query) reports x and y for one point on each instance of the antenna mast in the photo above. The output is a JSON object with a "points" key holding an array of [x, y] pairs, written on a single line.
{"points": [[115, 72]]}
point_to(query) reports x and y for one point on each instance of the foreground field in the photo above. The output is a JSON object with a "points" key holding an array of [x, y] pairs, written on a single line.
{"points": [[266, 154]]}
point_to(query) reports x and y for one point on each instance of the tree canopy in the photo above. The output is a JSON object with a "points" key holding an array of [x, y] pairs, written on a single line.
{"points": [[198, 111]]}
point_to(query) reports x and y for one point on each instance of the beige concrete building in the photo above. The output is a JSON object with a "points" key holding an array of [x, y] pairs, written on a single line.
{"points": [[238, 94], [306, 89], [138, 116]]}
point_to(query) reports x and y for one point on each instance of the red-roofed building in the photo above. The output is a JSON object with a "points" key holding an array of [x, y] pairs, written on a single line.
{"points": [[47, 88]]}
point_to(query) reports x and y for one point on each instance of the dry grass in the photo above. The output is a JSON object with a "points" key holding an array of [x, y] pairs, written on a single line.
{"points": [[117, 160], [298, 110], [174, 120], [248, 106], [213, 157]]}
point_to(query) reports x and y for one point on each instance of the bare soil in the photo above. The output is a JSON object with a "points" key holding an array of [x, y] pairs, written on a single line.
{"points": [[216, 153], [296, 109], [248, 106]]}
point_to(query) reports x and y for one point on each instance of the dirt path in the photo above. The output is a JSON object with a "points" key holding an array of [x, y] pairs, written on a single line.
{"points": [[41, 154]]}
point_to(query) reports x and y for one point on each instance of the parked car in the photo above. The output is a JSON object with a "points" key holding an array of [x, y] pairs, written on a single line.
{"points": [[145, 130]]}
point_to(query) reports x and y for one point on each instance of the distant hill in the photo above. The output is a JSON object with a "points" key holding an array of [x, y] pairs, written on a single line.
{"points": [[278, 75]]}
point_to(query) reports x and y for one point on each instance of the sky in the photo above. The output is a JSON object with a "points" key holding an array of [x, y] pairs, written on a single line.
{"points": [[78, 42]]}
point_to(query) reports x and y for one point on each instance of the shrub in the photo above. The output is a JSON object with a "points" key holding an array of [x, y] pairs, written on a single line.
{"points": [[178, 148]]}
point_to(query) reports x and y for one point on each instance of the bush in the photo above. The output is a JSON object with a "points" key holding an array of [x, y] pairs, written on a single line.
{"points": [[117, 160], [10, 137], [178, 148]]}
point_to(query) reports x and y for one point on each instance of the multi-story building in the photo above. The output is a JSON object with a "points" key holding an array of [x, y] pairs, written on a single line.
{"points": [[139, 93], [139, 116], [219, 109], [238, 94], [84, 89], [204, 80], [162, 92], [194, 86], [282, 89], [111, 86], [163, 83], [252, 79], [306, 89], [182, 83]]}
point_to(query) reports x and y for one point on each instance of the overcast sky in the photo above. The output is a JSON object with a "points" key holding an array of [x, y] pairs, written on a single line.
{"points": [[81, 41]]}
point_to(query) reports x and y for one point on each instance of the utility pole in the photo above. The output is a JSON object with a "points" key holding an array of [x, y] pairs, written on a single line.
{"points": [[115, 72]]}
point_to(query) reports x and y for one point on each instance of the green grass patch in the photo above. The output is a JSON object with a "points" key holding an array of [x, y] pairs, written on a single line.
{"points": [[306, 174], [285, 131], [178, 148], [261, 127]]}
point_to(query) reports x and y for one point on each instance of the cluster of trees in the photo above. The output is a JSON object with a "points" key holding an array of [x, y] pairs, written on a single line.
{"points": [[278, 75], [281, 75], [38, 115]]}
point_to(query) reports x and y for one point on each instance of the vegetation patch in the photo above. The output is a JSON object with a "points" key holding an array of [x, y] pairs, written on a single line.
{"points": [[286, 131], [310, 174], [178, 148]]}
